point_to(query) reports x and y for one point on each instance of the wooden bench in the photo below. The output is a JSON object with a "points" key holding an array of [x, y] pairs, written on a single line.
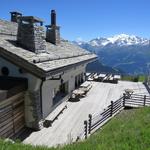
{"points": [[54, 115]]}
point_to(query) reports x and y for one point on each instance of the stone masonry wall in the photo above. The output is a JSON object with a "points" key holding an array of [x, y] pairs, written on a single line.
{"points": [[53, 35], [31, 37], [36, 109]]}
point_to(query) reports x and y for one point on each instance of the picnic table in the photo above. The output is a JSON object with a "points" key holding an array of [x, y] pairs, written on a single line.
{"points": [[118, 77], [78, 92], [81, 91], [128, 93], [86, 86]]}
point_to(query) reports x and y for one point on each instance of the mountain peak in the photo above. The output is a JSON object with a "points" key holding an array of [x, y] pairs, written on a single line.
{"points": [[117, 40]]}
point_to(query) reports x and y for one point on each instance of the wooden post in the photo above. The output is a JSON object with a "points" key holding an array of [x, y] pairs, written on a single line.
{"points": [[13, 118], [111, 113], [144, 100], [90, 122], [85, 128], [124, 99]]}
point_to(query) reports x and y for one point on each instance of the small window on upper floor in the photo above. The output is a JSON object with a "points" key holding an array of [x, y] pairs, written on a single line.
{"points": [[5, 71]]}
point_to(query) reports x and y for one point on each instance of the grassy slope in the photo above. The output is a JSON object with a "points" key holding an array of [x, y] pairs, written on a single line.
{"points": [[140, 78], [130, 130]]}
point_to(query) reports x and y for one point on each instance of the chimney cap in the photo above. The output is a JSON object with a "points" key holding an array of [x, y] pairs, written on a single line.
{"points": [[32, 19], [16, 12], [53, 11]]}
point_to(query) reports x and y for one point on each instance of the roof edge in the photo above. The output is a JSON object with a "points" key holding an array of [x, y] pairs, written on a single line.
{"points": [[35, 70]]}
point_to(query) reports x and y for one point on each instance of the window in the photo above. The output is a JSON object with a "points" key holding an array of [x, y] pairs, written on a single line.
{"points": [[60, 93], [82, 80], [64, 88], [5, 71], [76, 81], [79, 80]]}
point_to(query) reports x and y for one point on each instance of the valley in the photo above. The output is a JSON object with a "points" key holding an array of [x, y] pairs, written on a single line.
{"points": [[127, 53]]}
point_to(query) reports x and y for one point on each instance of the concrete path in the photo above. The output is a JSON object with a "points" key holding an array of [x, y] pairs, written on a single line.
{"points": [[70, 124]]}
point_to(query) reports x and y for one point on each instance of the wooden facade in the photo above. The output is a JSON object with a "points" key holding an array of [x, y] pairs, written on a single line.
{"points": [[12, 115]]}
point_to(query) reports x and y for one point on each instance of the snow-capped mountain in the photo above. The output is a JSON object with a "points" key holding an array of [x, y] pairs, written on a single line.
{"points": [[129, 53], [119, 40]]}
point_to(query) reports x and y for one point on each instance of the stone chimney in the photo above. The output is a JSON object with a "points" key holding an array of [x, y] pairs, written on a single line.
{"points": [[53, 31], [31, 36], [15, 16]]}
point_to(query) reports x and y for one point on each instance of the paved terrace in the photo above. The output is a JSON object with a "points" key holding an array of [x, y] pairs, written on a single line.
{"points": [[70, 124]]}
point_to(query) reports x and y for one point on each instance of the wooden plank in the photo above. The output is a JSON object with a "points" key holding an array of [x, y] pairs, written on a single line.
{"points": [[133, 101], [19, 128], [17, 118], [11, 100], [6, 128], [18, 123], [107, 114], [102, 117], [117, 109], [138, 104], [7, 134], [138, 95], [5, 117], [116, 105], [136, 99], [147, 103], [93, 126], [12, 115], [18, 101], [105, 111], [19, 109], [118, 101], [5, 111], [5, 122]]}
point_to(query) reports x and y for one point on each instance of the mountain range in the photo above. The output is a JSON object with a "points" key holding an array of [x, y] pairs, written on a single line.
{"points": [[129, 54]]}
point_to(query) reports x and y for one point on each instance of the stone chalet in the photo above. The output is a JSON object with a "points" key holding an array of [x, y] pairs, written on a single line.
{"points": [[53, 67]]}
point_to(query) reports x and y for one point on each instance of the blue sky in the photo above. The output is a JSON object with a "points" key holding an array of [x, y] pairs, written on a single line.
{"points": [[88, 19]]}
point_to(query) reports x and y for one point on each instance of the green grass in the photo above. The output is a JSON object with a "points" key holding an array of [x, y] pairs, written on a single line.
{"points": [[140, 78], [127, 78], [130, 130]]}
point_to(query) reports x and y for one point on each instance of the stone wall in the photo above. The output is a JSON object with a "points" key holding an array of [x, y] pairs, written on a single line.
{"points": [[31, 37], [8, 28], [35, 103], [53, 35]]}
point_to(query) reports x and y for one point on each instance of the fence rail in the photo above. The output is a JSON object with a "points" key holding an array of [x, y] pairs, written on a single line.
{"points": [[137, 100], [96, 121]]}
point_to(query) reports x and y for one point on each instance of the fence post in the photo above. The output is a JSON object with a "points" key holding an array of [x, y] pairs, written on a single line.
{"points": [[124, 98], [144, 100], [85, 128], [112, 103], [90, 122]]}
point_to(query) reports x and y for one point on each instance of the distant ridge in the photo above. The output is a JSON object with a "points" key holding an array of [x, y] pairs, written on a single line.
{"points": [[128, 53]]}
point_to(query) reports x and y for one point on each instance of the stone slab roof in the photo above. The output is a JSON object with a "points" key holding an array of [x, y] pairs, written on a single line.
{"points": [[57, 57], [31, 18], [8, 28]]}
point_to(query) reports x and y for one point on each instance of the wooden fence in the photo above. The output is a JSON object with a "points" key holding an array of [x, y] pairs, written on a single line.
{"points": [[96, 121], [12, 115], [137, 100]]}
